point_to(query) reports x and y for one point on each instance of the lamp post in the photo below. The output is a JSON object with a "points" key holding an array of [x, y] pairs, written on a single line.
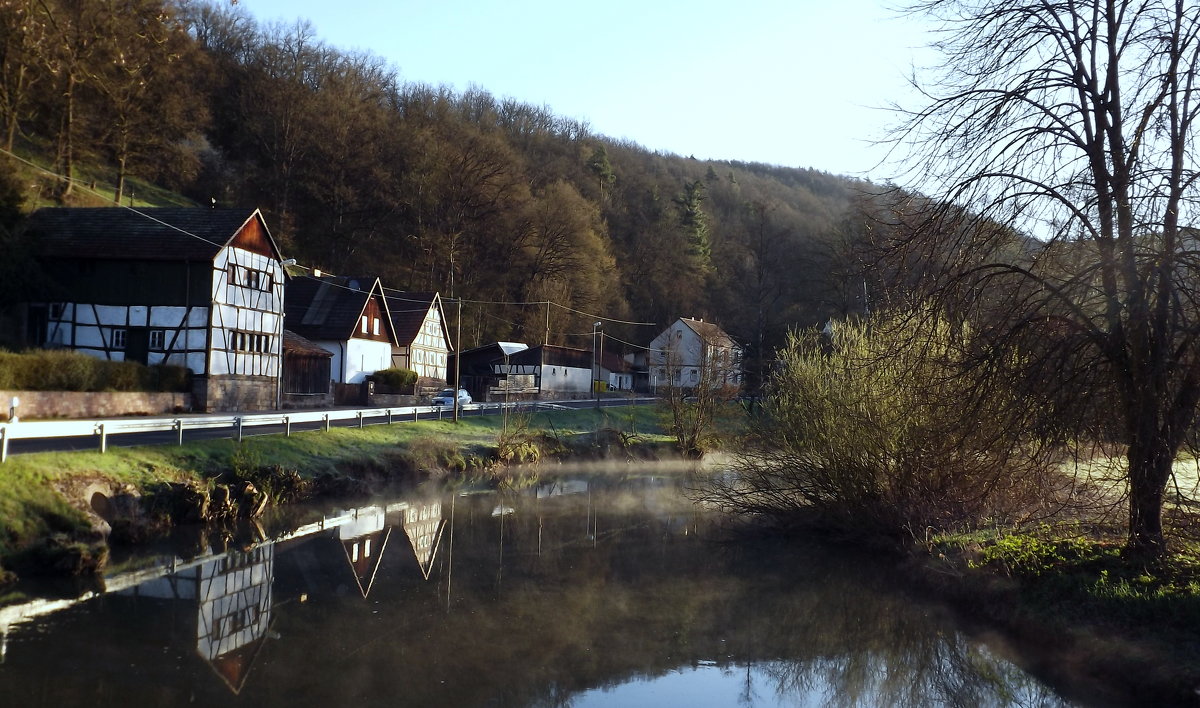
{"points": [[595, 371]]}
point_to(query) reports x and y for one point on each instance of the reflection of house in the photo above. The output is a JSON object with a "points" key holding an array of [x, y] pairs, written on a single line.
{"points": [[199, 288], [232, 593], [423, 524], [347, 317], [365, 539], [422, 341], [692, 353]]}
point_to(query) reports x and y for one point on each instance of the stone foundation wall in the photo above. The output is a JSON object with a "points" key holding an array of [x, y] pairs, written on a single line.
{"points": [[235, 393], [75, 404]]}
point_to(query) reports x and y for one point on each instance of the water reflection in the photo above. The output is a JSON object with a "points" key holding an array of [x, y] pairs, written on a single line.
{"points": [[583, 591]]}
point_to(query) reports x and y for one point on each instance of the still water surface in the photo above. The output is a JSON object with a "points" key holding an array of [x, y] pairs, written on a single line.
{"points": [[586, 591]]}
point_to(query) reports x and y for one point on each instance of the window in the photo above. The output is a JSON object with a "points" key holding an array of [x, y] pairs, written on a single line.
{"points": [[158, 339], [118, 339], [250, 342], [56, 310], [249, 277], [375, 325], [364, 324]]}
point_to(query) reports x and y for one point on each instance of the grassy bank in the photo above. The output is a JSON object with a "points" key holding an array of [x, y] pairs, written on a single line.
{"points": [[1089, 616], [45, 495]]}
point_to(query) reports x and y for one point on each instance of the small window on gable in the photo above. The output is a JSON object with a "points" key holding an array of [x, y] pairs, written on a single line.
{"points": [[375, 326], [363, 326]]}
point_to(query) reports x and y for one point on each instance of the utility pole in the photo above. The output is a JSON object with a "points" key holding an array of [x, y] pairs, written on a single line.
{"points": [[457, 358]]}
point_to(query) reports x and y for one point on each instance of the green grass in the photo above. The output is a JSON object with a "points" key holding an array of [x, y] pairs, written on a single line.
{"points": [[31, 506]]}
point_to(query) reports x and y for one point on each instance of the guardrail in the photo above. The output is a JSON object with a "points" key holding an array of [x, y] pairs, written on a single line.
{"points": [[101, 429]]}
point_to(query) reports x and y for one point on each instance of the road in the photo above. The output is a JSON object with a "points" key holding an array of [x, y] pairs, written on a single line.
{"points": [[167, 437]]}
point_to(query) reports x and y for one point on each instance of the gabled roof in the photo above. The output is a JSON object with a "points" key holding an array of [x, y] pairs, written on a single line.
{"points": [[329, 308], [295, 344], [408, 311], [118, 233], [709, 332]]}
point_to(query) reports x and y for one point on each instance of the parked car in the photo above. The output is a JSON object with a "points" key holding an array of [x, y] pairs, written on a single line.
{"points": [[446, 398]]}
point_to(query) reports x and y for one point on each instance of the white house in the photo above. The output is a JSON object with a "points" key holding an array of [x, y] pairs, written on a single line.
{"points": [[199, 288], [691, 353], [347, 317]]}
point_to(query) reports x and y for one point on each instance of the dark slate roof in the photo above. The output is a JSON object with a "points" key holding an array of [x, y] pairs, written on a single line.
{"points": [[325, 308], [141, 234], [408, 312], [554, 356], [295, 344]]}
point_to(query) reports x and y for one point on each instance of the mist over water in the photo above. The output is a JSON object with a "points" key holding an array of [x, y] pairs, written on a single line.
{"points": [[588, 588]]}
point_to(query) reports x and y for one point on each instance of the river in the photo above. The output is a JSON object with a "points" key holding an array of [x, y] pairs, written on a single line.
{"points": [[587, 589]]}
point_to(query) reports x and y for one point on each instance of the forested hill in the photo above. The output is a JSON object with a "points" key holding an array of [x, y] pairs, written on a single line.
{"points": [[484, 198]]}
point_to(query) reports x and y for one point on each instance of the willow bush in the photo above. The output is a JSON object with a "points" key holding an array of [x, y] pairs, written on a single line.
{"points": [[879, 428]]}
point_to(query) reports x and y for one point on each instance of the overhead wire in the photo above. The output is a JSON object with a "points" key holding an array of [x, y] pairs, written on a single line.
{"points": [[331, 282]]}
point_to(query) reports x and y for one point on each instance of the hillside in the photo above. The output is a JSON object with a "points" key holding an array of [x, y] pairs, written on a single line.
{"points": [[488, 199]]}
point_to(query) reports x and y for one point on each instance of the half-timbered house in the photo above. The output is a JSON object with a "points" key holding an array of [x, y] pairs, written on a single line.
{"points": [[422, 340], [347, 317], [200, 288]]}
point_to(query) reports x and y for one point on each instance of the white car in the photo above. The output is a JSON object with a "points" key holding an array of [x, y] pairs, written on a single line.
{"points": [[446, 398]]}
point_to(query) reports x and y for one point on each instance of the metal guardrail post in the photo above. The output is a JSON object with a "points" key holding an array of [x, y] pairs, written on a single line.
{"points": [[238, 422], [103, 438], [439, 412], [415, 414], [287, 426], [327, 422], [389, 416], [3, 444], [360, 420], [178, 431]]}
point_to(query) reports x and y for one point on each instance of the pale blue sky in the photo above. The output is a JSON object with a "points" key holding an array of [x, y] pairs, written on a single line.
{"points": [[788, 82]]}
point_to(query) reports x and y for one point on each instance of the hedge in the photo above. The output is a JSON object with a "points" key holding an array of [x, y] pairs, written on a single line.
{"points": [[63, 370]]}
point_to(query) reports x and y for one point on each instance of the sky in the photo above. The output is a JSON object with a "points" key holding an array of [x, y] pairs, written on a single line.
{"points": [[799, 83]]}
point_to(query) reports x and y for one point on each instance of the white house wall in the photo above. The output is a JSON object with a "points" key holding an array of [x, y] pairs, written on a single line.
{"points": [[566, 379], [363, 357], [88, 328], [355, 359], [242, 314]]}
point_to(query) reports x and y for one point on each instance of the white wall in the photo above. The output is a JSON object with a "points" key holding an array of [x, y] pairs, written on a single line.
{"points": [[250, 310], [566, 379]]}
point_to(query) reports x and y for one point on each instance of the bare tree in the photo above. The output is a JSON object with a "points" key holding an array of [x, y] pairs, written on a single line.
{"points": [[1073, 122]]}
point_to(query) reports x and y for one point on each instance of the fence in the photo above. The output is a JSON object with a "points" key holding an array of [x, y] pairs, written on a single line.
{"points": [[237, 424]]}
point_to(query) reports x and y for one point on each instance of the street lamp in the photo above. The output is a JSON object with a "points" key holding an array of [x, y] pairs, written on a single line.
{"points": [[595, 370]]}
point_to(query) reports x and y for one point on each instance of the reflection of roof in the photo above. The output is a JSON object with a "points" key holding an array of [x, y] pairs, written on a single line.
{"points": [[158, 234], [297, 345]]}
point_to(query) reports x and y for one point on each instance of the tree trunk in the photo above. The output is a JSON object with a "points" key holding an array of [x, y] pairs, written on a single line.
{"points": [[1150, 463]]}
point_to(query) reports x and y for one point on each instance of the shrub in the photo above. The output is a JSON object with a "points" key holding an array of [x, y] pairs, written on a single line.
{"points": [[395, 379], [881, 430], [63, 370]]}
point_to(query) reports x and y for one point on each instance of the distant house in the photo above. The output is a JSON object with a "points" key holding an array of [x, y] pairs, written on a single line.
{"points": [[616, 373], [474, 366], [553, 371], [422, 340], [347, 317], [200, 288], [693, 353]]}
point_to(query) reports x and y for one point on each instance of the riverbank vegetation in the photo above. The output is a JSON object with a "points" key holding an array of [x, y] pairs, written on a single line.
{"points": [[48, 500]]}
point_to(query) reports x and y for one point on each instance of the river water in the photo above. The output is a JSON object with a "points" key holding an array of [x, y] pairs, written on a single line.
{"points": [[585, 590]]}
